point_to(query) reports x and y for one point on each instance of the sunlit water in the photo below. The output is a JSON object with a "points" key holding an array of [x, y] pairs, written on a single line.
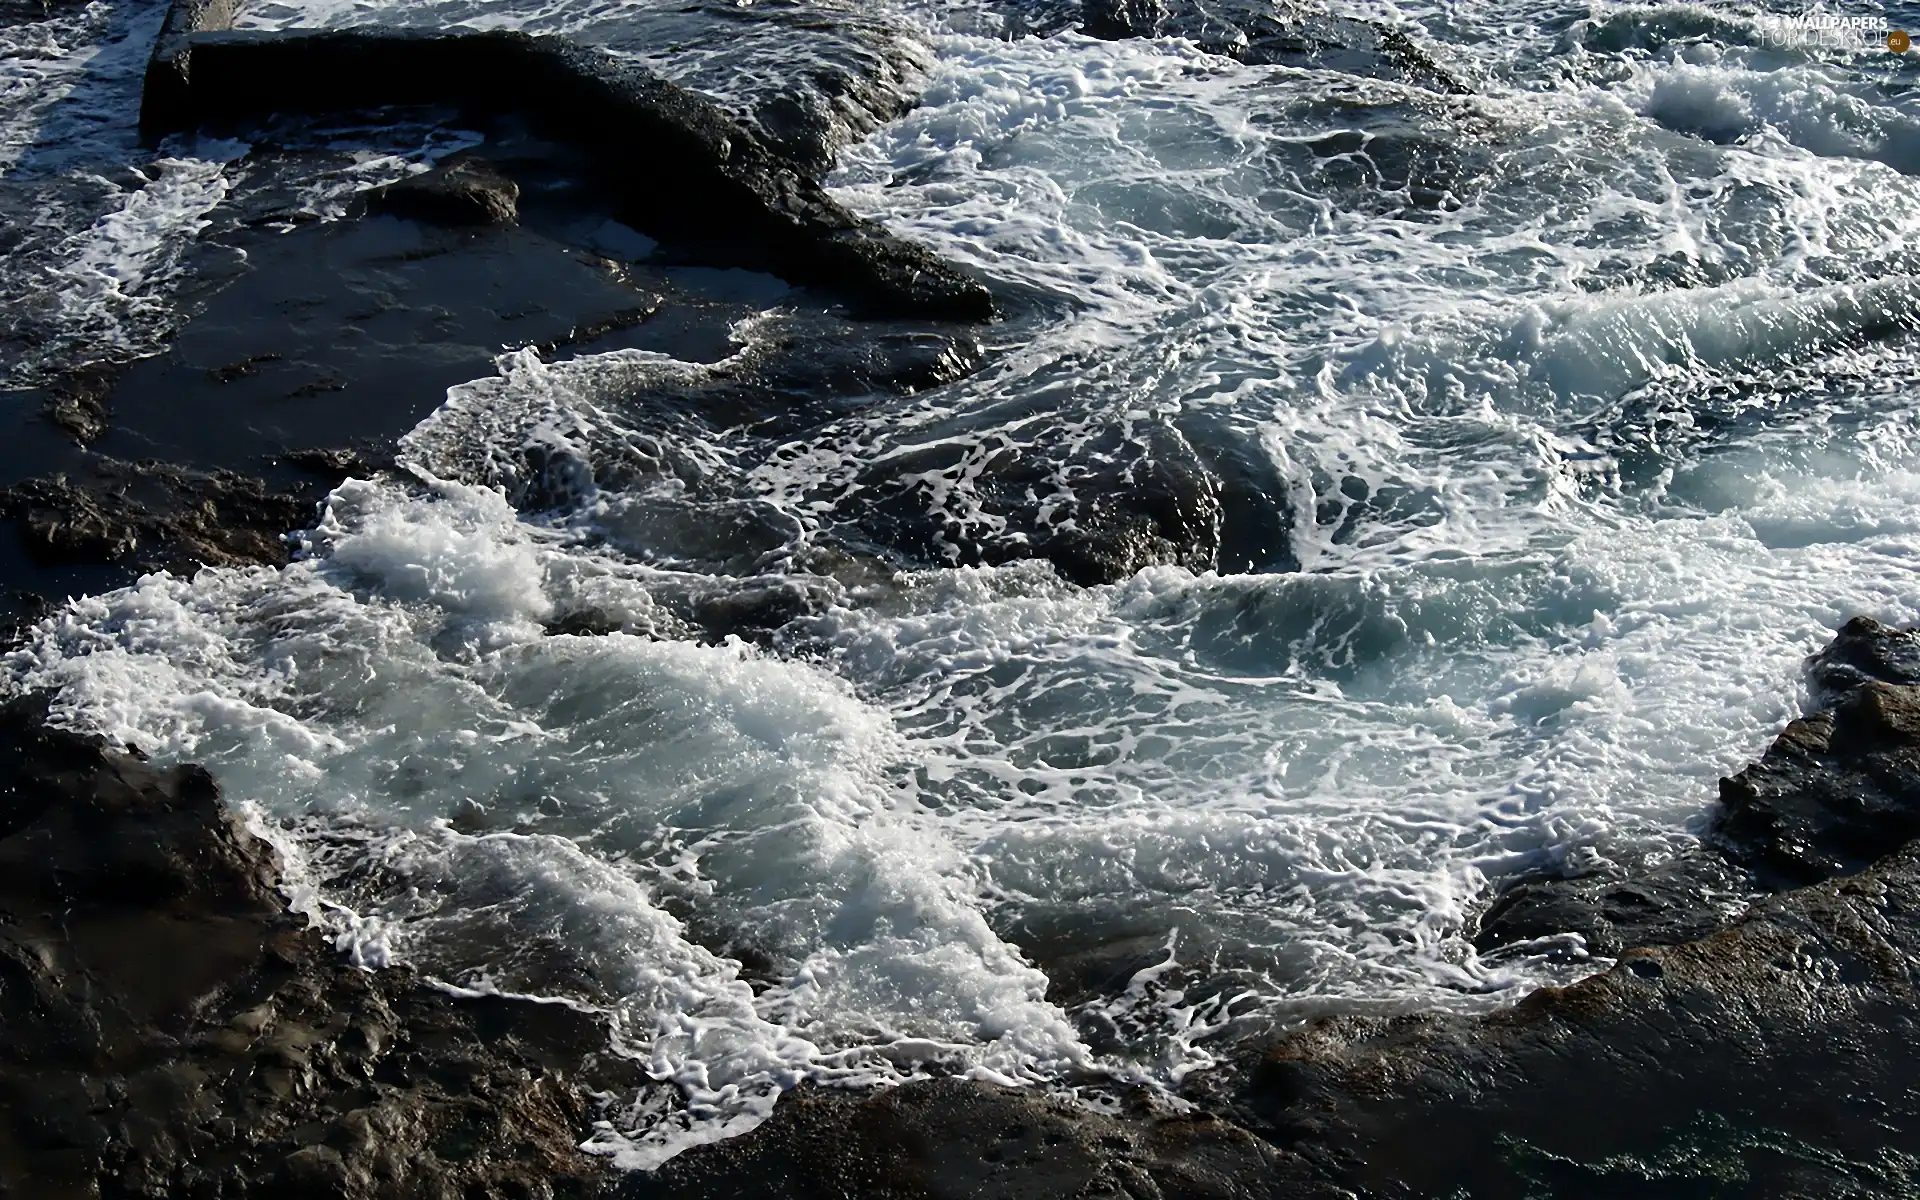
{"points": [[1592, 397]]}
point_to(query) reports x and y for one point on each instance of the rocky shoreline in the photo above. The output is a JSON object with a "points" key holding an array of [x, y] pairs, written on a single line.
{"points": [[169, 1028]]}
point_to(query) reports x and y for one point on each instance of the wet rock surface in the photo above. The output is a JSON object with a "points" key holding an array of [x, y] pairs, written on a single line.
{"points": [[1840, 788], [733, 198], [1110, 505], [168, 1028], [155, 516], [954, 1139], [810, 76], [1605, 913], [466, 190]]}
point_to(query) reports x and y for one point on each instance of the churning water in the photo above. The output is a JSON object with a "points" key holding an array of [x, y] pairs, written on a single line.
{"points": [[1587, 405]]}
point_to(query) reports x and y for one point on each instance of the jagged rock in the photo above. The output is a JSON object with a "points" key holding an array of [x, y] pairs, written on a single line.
{"points": [[1864, 649], [155, 515], [1644, 1078], [462, 191], [1745, 1064], [78, 404], [1836, 791]]}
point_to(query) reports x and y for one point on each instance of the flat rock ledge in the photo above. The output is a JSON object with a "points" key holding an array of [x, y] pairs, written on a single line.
{"points": [[168, 1029], [676, 165]]}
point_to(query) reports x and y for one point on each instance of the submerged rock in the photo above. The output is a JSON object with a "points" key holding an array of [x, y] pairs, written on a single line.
{"points": [[1124, 501], [465, 190]]}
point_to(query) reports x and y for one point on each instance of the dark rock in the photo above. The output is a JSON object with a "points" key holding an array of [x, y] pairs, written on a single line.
{"points": [[1256, 512], [585, 334], [337, 464], [818, 355], [956, 1140], [1679, 900], [462, 191], [1123, 502], [155, 515], [1086, 961], [78, 404], [165, 99], [1284, 34], [352, 332], [1864, 649], [63, 523], [167, 1028], [20, 610], [843, 70], [678, 166], [1836, 791], [757, 609]]}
